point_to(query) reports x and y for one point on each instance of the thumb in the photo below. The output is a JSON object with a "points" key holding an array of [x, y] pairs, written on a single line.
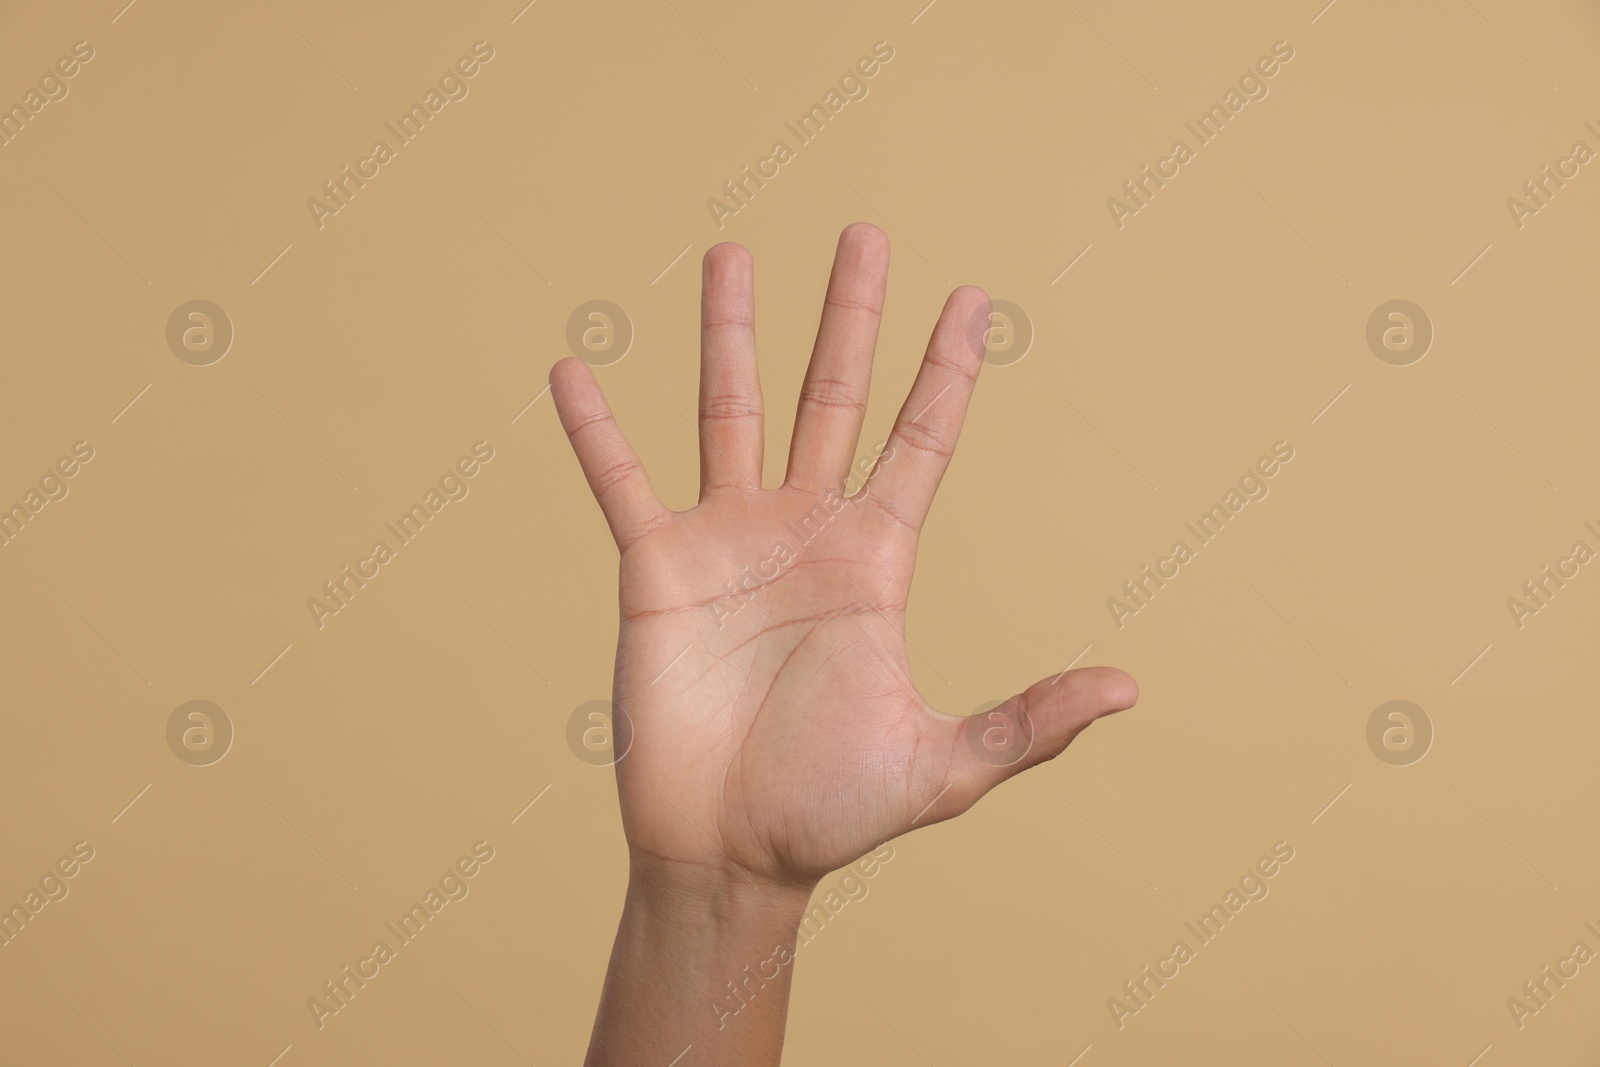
{"points": [[1031, 728]]}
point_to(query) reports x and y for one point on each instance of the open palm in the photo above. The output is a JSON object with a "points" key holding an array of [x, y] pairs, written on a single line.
{"points": [[769, 725]]}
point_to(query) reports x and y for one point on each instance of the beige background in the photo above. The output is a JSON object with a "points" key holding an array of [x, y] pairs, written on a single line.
{"points": [[426, 716]]}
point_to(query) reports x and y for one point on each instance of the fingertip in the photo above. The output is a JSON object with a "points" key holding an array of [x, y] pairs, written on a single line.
{"points": [[1120, 688], [563, 369], [968, 310], [1099, 690], [725, 255], [971, 295], [865, 238]]}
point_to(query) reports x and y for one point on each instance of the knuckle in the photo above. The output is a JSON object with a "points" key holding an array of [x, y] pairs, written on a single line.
{"points": [[966, 369], [849, 304], [609, 478], [598, 417], [832, 393], [725, 406], [925, 439]]}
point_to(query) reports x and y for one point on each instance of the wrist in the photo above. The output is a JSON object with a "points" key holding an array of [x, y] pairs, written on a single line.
{"points": [[722, 898], [704, 959]]}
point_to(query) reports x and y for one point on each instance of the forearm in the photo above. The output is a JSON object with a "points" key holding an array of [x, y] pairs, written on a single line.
{"points": [[700, 962]]}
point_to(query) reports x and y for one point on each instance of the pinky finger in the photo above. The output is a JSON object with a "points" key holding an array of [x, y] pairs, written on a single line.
{"points": [[614, 473], [924, 435]]}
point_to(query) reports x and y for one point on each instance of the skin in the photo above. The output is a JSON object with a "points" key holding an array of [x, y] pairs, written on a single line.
{"points": [[773, 735]]}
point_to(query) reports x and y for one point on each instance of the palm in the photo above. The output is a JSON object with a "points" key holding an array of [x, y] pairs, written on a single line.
{"points": [[805, 752], [772, 725]]}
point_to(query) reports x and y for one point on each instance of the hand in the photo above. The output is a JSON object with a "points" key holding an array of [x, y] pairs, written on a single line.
{"points": [[776, 729], [776, 733]]}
